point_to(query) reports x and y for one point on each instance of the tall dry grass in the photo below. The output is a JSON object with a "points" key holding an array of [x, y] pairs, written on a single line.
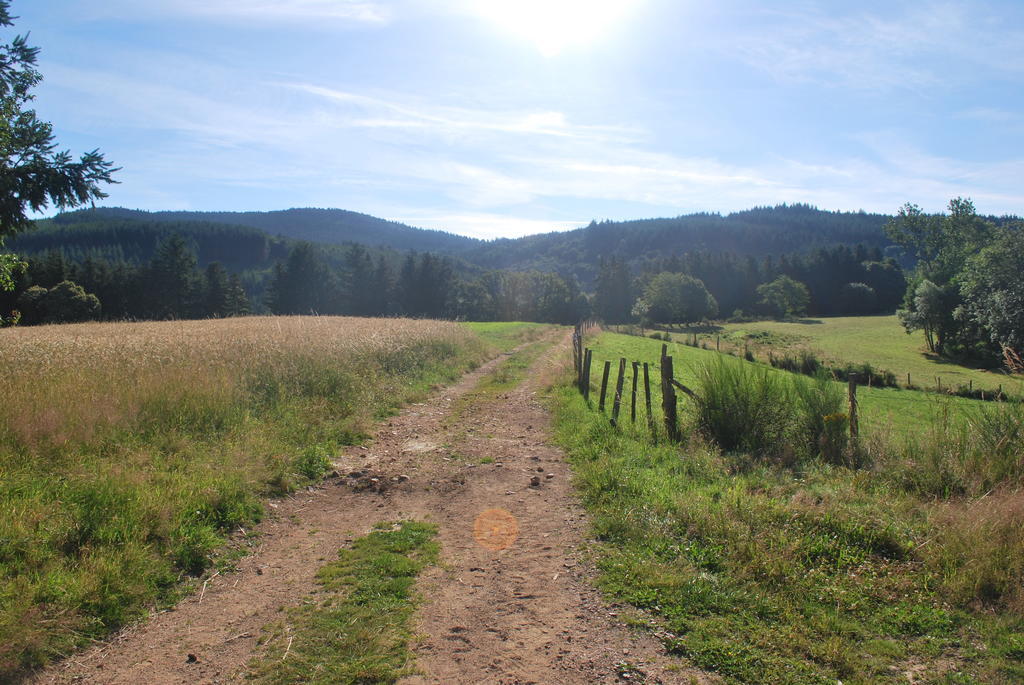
{"points": [[129, 450]]}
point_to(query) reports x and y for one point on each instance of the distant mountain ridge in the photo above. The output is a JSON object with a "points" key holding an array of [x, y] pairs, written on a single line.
{"points": [[328, 226], [757, 232]]}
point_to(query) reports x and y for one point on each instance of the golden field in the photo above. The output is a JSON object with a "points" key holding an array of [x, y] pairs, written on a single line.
{"points": [[130, 451]]}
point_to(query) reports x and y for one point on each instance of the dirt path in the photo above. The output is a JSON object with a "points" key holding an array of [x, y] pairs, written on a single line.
{"points": [[521, 614]]}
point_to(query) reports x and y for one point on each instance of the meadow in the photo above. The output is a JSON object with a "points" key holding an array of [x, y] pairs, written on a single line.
{"points": [[131, 452], [883, 411], [877, 340], [899, 558]]}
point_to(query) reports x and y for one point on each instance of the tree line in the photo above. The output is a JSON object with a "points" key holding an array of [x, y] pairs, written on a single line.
{"points": [[55, 289], [424, 285], [310, 279], [830, 281]]}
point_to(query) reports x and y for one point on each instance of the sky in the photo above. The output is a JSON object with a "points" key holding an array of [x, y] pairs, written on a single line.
{"points": [[501, 118]]}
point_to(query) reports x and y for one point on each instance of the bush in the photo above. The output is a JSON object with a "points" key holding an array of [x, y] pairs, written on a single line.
{"points": [[744, 408], [822, 423], [808, 364]]}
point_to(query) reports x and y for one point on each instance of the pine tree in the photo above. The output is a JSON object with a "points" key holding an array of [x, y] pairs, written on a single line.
{"points": [[215, 291], [237, 302], [172, 281], [35, 175]]}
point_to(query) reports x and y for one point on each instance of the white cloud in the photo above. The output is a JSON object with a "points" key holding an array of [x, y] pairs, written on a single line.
{"points": [[474, 171], [394, 113], [485, 225], [307, 11], [990, 115], [921, 46]]}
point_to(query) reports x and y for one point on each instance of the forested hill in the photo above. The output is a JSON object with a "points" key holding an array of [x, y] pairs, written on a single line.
{"points": [[133, 237], [327, 226], [756, 232]]}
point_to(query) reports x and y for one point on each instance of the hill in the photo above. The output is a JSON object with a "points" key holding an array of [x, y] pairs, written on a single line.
{"points": [[328, 226], [133, 237], [758, 232]]}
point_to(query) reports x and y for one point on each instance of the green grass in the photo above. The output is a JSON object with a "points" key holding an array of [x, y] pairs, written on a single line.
{"points": [[506, 335], [806, 574], [878, 340], [357, 628], [505, 376], [130, 454], [884, 412]]}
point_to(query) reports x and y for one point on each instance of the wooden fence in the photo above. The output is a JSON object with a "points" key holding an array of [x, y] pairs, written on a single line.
{"points": [[583, 361]]}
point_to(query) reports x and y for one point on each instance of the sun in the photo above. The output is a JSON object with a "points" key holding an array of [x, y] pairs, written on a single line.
{"points": [[555, 25]]}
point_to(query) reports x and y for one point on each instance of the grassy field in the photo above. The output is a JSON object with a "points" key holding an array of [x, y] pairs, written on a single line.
{"points": [[883, 411], [506, 335], [791, 569], [878, 340], [130, 452]]}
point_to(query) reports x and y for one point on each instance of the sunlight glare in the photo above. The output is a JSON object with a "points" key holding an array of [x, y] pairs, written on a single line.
{"points": [[554, 25]]}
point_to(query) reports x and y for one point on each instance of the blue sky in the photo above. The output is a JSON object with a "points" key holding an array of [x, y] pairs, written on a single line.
{"points": [[501, 118]]}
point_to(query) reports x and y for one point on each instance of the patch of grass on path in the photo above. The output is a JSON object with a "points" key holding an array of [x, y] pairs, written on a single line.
{"points": [[357, 628], [505, 335], [878, 340], [505, 376], [820, 574]]}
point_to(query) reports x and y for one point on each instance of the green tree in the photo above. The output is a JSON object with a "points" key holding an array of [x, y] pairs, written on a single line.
{"points": [[931, 312], [673, 298], [237, 301], [66, 302], [784, 297], [34, 175], [215, 291], [942, 244], [303, 284], [613, 293], [857, 299], [993, 289], [358, 281], [173, 280]]}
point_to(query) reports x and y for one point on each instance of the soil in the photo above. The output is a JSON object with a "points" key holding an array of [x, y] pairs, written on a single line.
{"points": [[511, 603]]}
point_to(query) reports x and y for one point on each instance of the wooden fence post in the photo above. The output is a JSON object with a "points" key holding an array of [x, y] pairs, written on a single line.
{"points": [[668, 400], [647, 399], [617, 402], [604, 384], [718, 343], [632, 404], [577, 351], [852, 390], [588, 355]]}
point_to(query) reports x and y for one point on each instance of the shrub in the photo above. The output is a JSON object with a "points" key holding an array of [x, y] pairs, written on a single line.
{"points": [[743, 408], [822, 423]]}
